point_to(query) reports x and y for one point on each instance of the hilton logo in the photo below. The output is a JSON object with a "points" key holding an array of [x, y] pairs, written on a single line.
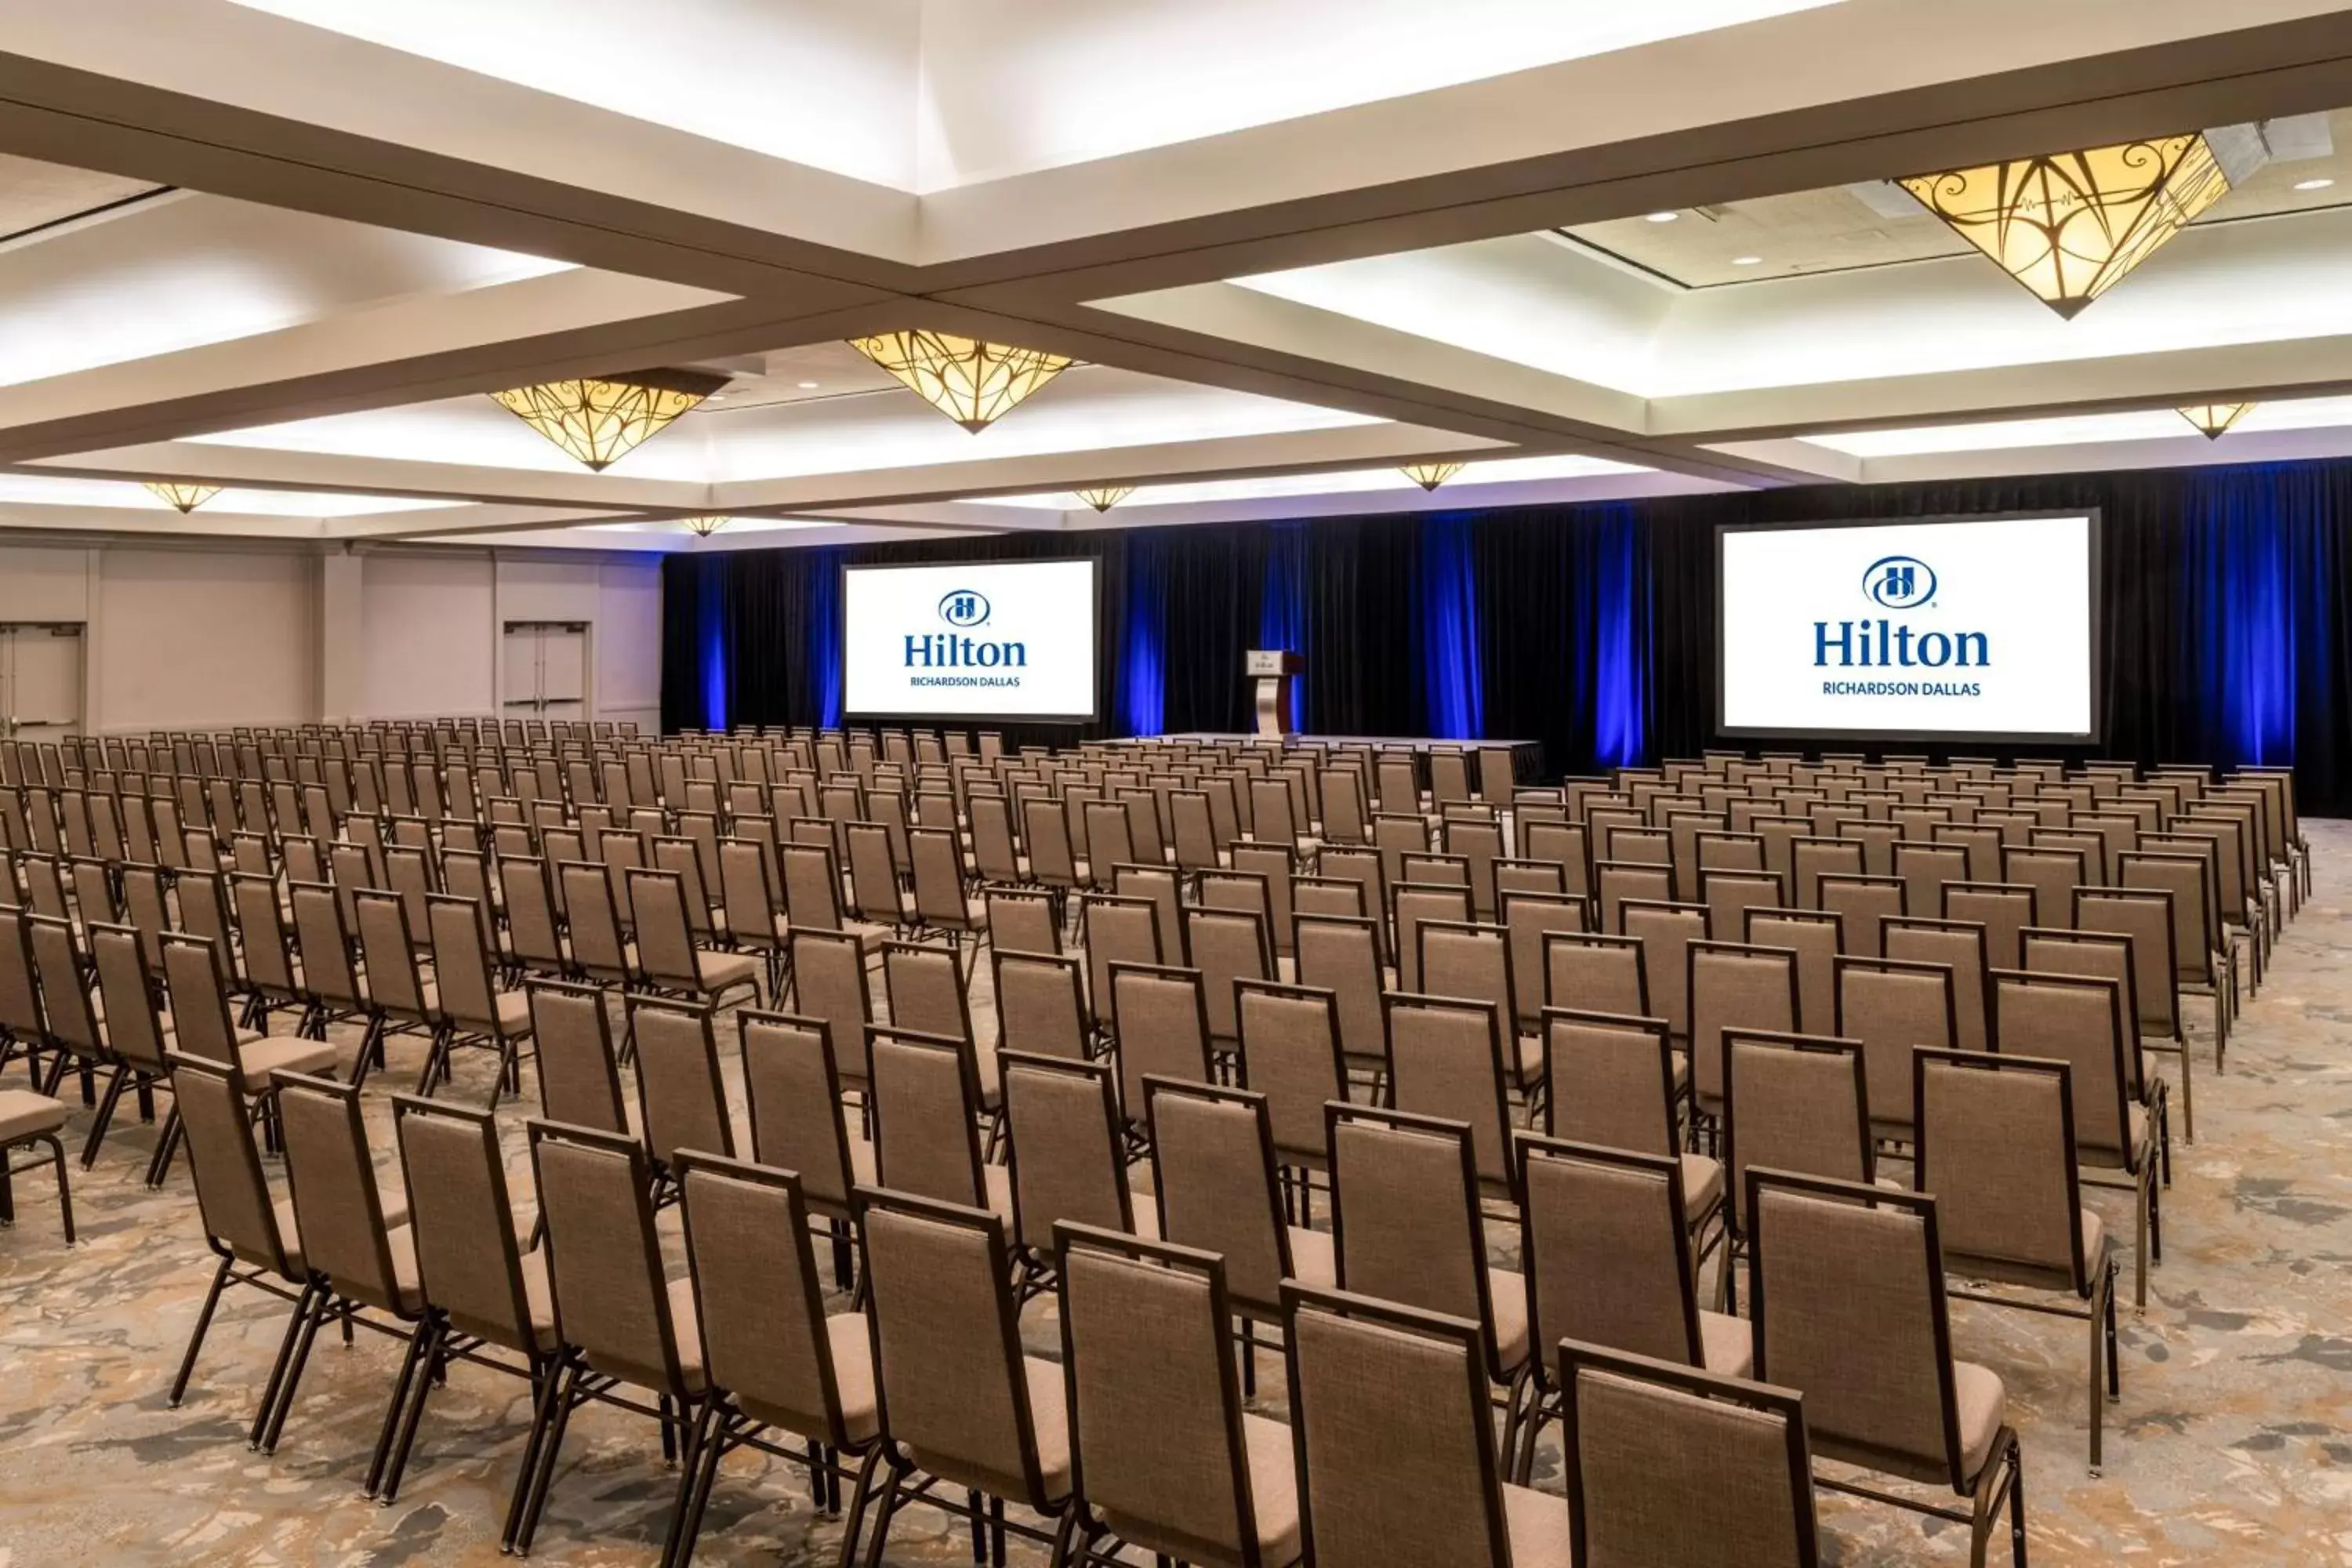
{"points": [[1899, 583], [1896, 583], [964, 609]]}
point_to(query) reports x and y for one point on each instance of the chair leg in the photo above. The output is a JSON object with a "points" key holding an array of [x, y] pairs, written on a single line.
{"points": [[115, 1083], [324, 1308], [542, 1410], [892, 1484], [2097, 1376], [2017, 1506], [167, 1143], [427, 1374], [397, 1406], [295, 1323], [694, 1478], [858, 1494], [2139, 1255], [550, 1450], [204, 1323], [65, 1189]]}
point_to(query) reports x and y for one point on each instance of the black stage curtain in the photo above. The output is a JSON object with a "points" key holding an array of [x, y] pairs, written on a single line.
{"points": [[1592, 628]]}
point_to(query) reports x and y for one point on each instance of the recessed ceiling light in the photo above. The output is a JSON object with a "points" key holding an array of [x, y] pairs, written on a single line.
{"points": [[2320, 185], [1663, 217], [1746, 261], [808, 387]]}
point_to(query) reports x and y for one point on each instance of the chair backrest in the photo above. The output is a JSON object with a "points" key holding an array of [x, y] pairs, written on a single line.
{"points": [[1590, 972], [1409, 903], [1405, 1220], [134, 1028], [1041, 1004], [1212, 1179], [1289, 1052], [2003, 909], [1795, 1102], [59, 966], [1734, 986], [2105, 953], [1367, 1501], [1155, 1416], [1529, 918], [231, 1192], [1607, 1252], [1864, 901], [829, 982], [1729, 895], [579, 1079], [460, 1220], [2078, 1019], [1446, 1060], [792, 1094], [1341, 955], [925, 985], [1466, 959], [2195, 932], [1892, 1006], [1666, 1464], [603, 1257], [926, 1109], [1609, 1080], [1115, 929], [1995, 1143], [1160, 1016], [1960, 945], [1666, 931], [664, 938], [679, 1093], [1227, 946], [461, 964], [1813, 935], [2142, 916], [199, 998], [332, 1177], [1067, 1152], [950, 1385], [2052, 872], [1846, 1294], [1024, 920], [1157, 884], [758, 1303]]}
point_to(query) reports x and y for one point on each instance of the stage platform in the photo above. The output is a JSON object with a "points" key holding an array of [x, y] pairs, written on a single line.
{"points": [[1527, 757]]}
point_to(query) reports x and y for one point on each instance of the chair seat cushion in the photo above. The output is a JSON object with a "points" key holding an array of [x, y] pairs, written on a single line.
{"points": [[24, 1114], [845, 1336], [261, 1059], [1312, 1261], [1538, 1524], [514, 1013], [1507, 1292], [539, 1299], [1983, 1402], [1049, 1413], [1702, 1185], [1728, 1343], [1274, 1487], [719, 970], [400, 1241], [687, 1329]]}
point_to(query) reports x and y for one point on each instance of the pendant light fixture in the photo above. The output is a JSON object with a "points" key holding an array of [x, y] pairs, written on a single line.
{"points": [[973, 383], [598, 420], [1102, 497], [1429, 475], [2214, 419], [181, 495]]}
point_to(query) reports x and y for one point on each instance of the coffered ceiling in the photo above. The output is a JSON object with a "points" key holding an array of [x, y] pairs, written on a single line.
{"points": [[286, 246]]}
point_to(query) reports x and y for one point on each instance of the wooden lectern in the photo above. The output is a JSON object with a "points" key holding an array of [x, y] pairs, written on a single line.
{"points": [[1270, 670]]}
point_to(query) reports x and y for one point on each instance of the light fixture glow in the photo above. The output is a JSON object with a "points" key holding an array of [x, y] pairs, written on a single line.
{"points": [[1747, 261], [1429, 475], [2070, 226], [183, 497], [972, 383], [808, 385], [703, 527], [1102, 497], [2214, 419], [598, 420], [2312, 185], [1663, 217]]}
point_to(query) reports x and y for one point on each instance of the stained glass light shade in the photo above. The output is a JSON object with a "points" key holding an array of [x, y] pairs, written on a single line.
{"points": [[975, 384], [183, 498], [1429, 475], [2214, 419], [598, 420], [2071, 225], [1105, 497], [703, 527]]}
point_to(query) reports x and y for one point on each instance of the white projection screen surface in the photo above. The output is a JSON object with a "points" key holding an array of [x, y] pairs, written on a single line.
{"points": [[1959, 629], [998, 640]]}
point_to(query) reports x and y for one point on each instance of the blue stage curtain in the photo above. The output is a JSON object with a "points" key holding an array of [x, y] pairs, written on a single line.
{"points": [[1452, 687], [1142, 674], [1282, 602]]}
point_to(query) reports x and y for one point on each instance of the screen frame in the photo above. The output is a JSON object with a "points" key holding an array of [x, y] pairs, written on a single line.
{"points": [[2095, 736], [1093, 563]]}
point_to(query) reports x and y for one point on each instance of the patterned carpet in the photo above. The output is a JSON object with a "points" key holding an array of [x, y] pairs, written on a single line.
{"points": [[2232, 1443]]}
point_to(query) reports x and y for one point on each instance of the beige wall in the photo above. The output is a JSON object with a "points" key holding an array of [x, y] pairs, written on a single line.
{"points": [[184, 639]]}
